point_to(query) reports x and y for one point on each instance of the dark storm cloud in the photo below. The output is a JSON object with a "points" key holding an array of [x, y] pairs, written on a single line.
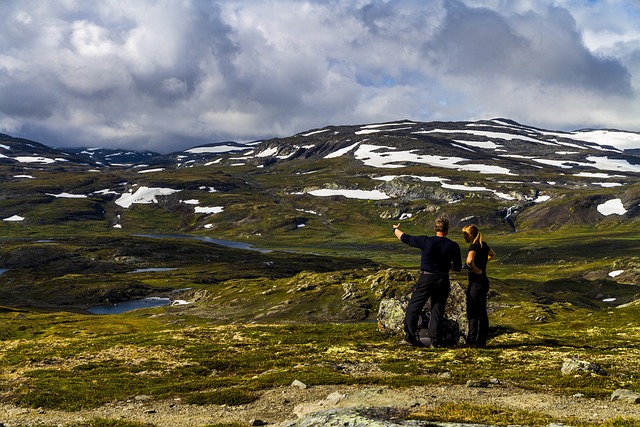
{"points": [[537, 47], [27, 101], [169, 75]]}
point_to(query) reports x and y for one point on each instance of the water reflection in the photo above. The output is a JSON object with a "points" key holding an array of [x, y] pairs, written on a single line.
{"points": [[124, 306], [221, 242], [152, 270]]}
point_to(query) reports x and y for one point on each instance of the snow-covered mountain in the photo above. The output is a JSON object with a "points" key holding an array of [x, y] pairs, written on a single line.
{"points": [[494, 147], [483, 146], [405, 167]]}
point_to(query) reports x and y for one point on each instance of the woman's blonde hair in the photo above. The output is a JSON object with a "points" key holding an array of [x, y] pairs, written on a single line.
{"points": [[472, 230]]}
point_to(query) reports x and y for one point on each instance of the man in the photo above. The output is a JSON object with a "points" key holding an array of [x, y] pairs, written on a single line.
{"points": [[439, 255]]}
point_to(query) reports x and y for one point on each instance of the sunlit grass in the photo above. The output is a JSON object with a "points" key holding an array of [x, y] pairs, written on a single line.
{"points": [[74, 362]]}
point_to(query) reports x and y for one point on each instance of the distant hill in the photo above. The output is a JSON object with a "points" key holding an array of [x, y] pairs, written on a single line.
{"points": [[495, 172]]}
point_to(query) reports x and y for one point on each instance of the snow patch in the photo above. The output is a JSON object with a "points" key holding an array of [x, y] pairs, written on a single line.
{"points": [[350, 194], [68, 196], [209, 209], [315, 132], [616, 273], [612, 207], [216, 149], [342, 151], [144, 195]]}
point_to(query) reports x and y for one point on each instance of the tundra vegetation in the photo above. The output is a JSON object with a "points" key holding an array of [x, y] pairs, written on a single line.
{"points": [[304, 306]]}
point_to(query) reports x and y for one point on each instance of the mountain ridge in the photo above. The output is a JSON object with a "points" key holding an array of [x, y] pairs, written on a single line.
{"points": [[498, 168], [204, 152]]}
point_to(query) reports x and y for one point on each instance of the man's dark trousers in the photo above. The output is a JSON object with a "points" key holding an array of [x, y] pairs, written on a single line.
{"points": [[436, 286]]}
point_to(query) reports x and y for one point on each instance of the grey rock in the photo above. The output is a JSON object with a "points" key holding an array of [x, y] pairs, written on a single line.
{"points": [[455, 325], [367, 417], [625, 396], [477, 384], [355, 417], [142, 397], [573, 365], [391, 316], [298, 384], [334, 398]]}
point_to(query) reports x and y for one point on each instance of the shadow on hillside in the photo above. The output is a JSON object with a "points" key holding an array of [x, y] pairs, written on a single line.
{"points": [[11, 310], [496, 331]]}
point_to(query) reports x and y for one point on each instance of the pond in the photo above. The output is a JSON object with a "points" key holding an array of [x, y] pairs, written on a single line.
{"points": [[3, 270], [152, 270], [124, 306], [221, 242]]}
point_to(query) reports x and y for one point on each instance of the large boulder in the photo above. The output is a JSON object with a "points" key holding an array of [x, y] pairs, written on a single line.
{"points": [[625, 395], [359, 416], [455, 325], [572, 366]]}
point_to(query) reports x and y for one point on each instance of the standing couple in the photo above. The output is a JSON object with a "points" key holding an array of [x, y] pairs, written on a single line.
{"points": [[439, 255]]}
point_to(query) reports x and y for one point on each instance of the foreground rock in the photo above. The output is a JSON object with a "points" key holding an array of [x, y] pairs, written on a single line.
{"points": [[348, 417], [455, 325], [625, 395], [368, 417], [573, 365], [282, 405]]}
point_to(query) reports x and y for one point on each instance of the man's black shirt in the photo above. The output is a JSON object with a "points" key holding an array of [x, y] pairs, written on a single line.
{"points": [[439, 254]]}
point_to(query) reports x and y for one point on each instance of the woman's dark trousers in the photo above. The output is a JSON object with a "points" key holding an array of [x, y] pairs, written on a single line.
{"points": [[436, 287], [477, 311]]}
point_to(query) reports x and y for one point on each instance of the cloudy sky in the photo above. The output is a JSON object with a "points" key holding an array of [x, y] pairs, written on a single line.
{"points": [[165, 75]]}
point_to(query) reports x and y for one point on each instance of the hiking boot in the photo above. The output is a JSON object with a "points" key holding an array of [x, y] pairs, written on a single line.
{"points": [[405, 342], [428, 342]]}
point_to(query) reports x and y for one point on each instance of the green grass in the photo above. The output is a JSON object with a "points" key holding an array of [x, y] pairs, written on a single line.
{"points": [[476, 414], [268, 319], [74, 362]]}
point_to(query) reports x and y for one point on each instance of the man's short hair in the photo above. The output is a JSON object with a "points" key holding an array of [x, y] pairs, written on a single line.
{"points": [[442, 224]]}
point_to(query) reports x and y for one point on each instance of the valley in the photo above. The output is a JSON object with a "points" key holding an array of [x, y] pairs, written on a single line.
{"points": [[296, 296]]}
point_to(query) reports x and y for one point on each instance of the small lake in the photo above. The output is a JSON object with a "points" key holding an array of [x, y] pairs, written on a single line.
{"points": [[152, 270], [221, 242], [3, 270], [123, 307]]}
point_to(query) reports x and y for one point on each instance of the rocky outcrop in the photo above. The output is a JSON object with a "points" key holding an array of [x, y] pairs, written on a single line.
{"points": [[352, 417], [455, 325], [391, 283], [625, 395], [573, 365], [408, 188]]}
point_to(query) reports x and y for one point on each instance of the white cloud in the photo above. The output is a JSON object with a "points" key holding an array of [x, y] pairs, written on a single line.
{"points": [[167, 76]]}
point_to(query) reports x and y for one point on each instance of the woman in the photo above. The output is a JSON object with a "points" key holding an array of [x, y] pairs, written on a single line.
{"points": [[479, 255]]}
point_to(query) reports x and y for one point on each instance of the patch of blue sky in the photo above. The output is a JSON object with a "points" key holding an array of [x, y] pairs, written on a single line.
{"points": [[630, 8], [376, 81]]}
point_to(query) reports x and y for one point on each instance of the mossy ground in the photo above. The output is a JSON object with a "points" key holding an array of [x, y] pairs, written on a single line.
{"points": [[268, 318], [72, 361]]}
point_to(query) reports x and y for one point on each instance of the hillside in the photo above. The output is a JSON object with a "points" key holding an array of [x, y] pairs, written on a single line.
{"points": [[507, 175], [328, 193], [275, 256]]}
